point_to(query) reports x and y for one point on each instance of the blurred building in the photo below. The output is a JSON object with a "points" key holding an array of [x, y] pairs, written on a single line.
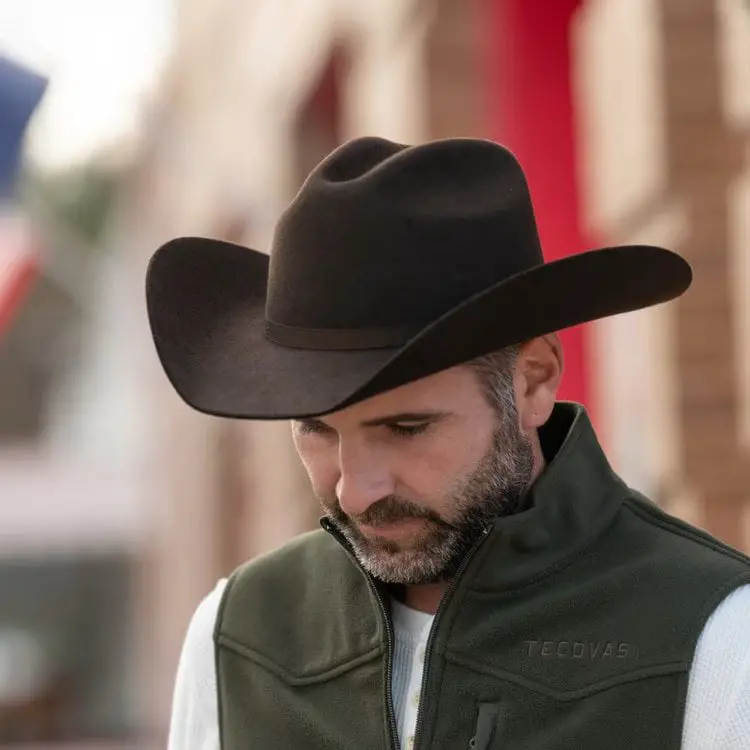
{"points": [[664, 103], [632, 119]]}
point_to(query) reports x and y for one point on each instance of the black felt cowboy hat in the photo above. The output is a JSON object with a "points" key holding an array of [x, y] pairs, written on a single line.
{"points": [[392, 263]]}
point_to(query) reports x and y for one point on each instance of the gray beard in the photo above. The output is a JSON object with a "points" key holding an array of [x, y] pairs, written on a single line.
{"points": [[495, 488]]}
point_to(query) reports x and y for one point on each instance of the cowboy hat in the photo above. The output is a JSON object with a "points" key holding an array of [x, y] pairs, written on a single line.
{"points": [[392, 263]]}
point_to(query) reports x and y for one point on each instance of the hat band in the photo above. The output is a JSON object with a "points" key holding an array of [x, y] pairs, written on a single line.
{"points": [[340, 339]]}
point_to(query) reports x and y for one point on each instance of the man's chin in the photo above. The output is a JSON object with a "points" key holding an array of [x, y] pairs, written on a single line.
{"points": [[408, 567], [423, 556]]}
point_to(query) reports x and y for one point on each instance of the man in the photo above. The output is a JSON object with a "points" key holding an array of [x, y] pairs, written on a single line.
{"points": [[483, 579]]}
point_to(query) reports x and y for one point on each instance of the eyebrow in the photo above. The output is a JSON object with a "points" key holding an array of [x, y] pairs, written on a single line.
{"points": [[389, 419], [406, 416]]}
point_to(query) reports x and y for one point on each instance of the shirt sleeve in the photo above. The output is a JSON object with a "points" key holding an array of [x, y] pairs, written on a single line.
{"points": [[717, 713], [194, 723]]}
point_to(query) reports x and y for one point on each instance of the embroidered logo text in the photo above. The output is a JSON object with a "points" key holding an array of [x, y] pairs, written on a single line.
{"points": [[587, 650]]}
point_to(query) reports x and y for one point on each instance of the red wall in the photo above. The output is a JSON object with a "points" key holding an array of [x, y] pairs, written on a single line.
{"points": [[531, 110]]}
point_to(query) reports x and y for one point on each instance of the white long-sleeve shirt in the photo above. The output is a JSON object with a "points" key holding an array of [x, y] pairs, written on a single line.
{"points": [[717, 714]]}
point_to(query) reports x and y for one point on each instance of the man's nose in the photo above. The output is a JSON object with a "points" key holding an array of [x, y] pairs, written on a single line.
{"points": [[363, 480]]}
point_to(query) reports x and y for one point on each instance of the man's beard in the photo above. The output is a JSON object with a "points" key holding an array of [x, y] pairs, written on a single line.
{"points": [[495, 488]]}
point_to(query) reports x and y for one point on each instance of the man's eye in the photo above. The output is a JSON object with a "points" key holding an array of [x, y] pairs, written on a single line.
{"points": [[408, 430], [311, 427]]}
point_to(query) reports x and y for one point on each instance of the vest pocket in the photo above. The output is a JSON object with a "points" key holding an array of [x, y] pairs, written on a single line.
{"points": [[487, 727]]}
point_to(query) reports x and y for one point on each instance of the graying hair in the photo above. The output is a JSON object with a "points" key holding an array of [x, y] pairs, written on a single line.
{"points": [[495, 373]]}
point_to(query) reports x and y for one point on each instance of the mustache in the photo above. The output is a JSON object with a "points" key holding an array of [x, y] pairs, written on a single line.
{"points": [[389, 509]]}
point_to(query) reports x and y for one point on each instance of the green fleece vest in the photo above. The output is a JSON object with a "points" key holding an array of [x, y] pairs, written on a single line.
{"points": [[570, 626]]}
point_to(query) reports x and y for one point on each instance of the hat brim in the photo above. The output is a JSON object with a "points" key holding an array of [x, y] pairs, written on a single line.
{"points": [[206, 306]]}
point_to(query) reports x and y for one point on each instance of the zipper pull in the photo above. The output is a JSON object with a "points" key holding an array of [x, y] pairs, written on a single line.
{"points": [[487, 724]]}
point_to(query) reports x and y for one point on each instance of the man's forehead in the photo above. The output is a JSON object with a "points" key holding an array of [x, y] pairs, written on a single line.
{"points": [[436, 394]]}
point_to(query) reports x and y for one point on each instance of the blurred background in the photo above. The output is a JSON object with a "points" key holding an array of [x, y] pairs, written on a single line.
{"points": [[126, 122]]}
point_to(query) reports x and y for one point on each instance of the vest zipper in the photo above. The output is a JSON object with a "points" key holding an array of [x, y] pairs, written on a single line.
{"points": [[387, 626], [386, 619], [441, 608]]}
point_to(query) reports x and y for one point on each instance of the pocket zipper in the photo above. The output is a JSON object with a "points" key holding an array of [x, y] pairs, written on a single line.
{"points": [[487, 723]]}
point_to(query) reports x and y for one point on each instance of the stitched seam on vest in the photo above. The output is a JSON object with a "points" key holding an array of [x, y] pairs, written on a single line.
{"points": [[292, 679], [651, 517], [217, 662], [658, 670], [679, 711]]}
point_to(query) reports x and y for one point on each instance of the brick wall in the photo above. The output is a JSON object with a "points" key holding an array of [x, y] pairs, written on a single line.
{"points": [[704, 158]]}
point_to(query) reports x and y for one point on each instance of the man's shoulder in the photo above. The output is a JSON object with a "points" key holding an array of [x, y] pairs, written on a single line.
{"points": [[683, 546], [682, 531]]}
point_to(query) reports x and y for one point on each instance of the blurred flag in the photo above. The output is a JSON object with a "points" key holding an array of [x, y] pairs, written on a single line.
{"points": [[19, 262], [21, 90]]}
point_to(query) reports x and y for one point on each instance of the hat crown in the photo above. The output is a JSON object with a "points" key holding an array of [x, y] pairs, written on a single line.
{"points": [[383, 235], [392, 263]]}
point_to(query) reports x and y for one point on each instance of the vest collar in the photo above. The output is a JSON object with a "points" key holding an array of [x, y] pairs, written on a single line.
{"points": [[574, 499]]}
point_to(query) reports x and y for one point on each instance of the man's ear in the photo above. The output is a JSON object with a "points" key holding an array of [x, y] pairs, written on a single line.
{"points": [[539, 369]]}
